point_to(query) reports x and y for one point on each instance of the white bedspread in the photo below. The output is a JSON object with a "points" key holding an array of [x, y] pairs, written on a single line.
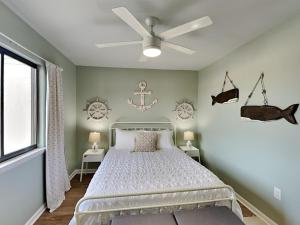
{"points": [[123, 171]]}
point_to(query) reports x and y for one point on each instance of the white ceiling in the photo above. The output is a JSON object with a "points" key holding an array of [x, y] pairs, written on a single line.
{"points": [[75, 26]]}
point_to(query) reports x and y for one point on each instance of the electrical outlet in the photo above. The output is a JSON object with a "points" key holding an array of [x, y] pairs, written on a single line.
{"points": [[277, 193]]}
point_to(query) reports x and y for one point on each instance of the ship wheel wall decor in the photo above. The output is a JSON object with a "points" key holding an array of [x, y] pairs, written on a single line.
{"points": [[97, 109], [184, 110]]}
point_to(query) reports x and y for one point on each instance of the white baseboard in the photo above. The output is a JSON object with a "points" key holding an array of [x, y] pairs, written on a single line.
{"points": [[78, 171], [36, 215], [255, 211], [72, 175]]}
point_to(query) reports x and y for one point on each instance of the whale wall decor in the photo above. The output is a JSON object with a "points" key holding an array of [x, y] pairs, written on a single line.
{"points": [[226, 97], [269, 113], [229, 96]]}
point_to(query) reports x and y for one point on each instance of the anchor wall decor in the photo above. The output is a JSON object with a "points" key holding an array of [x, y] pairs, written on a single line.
{"points": [[142, 92]]}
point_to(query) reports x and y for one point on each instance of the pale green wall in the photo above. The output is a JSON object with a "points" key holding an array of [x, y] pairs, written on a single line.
{"points": [[25, 184], [21, 192], [117, 85], [253, 156]]}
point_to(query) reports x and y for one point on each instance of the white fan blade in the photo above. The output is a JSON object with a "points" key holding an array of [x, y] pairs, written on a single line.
{"points": [[178, 48], [185, 28], [128, 18], [116, 44]]}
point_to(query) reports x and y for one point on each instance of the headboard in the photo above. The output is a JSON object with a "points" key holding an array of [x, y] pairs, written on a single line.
{"points": [[151, 126]]}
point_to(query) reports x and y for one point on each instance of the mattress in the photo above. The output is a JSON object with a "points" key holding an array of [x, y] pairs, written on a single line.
{"points": [[124, 171]]}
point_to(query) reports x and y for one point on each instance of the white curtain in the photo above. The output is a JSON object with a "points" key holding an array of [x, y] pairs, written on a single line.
{"points": [[57, 179]]}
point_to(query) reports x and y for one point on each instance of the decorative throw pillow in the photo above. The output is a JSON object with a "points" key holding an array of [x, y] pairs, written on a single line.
{"points": [[145, 142]]}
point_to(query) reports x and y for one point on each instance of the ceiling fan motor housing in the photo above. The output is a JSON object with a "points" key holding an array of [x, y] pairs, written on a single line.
{"points": [[151, 42], [151, 46]]}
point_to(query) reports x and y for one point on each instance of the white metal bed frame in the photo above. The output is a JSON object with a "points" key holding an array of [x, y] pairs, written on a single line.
{"points": [[79, 214]]}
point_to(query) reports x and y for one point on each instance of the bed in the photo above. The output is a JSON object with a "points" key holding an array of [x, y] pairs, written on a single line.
{"points": [[149, 182]]}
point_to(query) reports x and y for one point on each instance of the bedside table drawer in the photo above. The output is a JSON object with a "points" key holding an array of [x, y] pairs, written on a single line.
{"points": [[192, 153], [93, 158]]}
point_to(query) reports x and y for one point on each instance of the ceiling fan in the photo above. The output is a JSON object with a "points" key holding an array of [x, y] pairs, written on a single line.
{"points": [[152, 42]]}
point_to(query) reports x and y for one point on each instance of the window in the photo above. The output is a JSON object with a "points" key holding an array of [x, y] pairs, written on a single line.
{"points": [[18, 92]]}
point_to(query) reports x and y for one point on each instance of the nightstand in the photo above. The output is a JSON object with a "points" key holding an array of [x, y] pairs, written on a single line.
{"points": [[91, 155], [192, 151]]}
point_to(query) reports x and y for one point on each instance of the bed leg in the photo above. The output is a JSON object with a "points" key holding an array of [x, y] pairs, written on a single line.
{"points": [[77, 218], [81, 171]]}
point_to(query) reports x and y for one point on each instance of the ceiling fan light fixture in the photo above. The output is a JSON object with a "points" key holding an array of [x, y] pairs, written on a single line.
{"points": [[151, 52], [151, 47]]}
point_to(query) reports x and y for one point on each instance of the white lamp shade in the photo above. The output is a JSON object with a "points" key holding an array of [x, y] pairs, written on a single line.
{"points": [[94, 137], [188, 136]]}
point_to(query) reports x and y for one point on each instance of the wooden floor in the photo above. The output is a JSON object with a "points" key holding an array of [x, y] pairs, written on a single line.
{"points": [[64, 213]]}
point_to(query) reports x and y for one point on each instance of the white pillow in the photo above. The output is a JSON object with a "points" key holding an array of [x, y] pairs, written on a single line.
{"points": [[165, 139], [125, 139]]}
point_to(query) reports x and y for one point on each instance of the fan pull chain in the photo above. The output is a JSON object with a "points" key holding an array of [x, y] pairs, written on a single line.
{"points": [[224, 83], [264, 91]]}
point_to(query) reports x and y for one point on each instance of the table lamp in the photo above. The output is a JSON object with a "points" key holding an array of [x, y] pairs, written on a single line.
{"points": [[94, 137], [188, 136]]}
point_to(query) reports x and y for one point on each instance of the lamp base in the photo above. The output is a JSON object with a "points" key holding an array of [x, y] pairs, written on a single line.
{"points": [[94, 147], [189, 144]]}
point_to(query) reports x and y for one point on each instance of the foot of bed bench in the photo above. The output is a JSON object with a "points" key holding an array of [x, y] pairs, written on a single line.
{"points": [[150, 219], [208, 216]]}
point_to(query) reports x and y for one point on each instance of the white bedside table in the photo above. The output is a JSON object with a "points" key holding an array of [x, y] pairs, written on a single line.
{"points": [[192, 151], [91, 155]]}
